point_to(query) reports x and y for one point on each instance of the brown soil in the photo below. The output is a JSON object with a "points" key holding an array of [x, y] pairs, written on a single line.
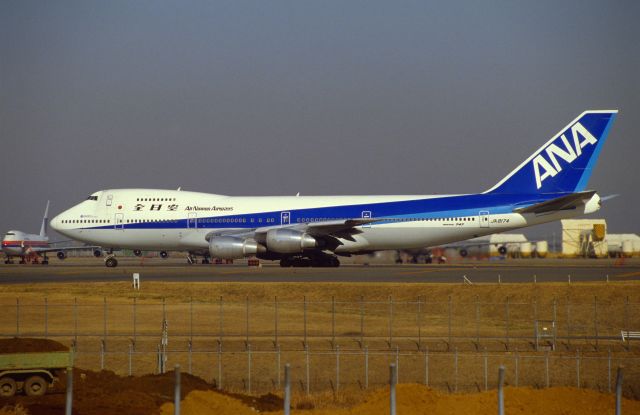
{"points": [[417, 399], [24, 345]]}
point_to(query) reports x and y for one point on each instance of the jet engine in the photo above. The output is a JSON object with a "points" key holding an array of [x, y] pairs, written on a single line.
{"points": [[61, 255], [289, 241], [231, 247]]}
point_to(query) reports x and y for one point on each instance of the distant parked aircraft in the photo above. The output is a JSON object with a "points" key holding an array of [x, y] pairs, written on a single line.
{"points": [[311, 230], [29, 247]]}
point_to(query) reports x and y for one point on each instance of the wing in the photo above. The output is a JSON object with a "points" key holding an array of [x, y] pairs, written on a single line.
{"points": [[571, 201], [332, 229]]}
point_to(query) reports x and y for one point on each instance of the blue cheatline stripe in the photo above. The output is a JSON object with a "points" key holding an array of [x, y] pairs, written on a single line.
{"points": [[439, 207]]}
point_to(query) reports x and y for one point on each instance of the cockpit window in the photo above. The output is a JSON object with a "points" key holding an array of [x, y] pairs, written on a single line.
{"points": [[10, 233], [92, 198]]}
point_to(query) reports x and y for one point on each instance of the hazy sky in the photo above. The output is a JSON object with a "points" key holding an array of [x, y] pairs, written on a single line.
{"points": [[266, 97]]}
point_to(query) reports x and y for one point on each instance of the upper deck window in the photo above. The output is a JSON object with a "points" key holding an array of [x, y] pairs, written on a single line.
{"points": [[92, 198]]}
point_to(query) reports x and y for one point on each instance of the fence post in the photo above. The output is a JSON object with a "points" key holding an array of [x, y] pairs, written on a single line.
{"points": [[517, 367], [393, 379], [419, 322], [275, 306], [546, 368], [578, 367], [102, 354], [333, 321], [69, 400], [287, 389], [220, 364], [249, 368], [104, 328], [176, 392], [506, 311], [397, 362], [619, 391], [609, 370], [306, 349], [595, 318], [449, 330], [390, 320], [455, 355], [75, 319], [17, 317], [486, 368], [247, 322], [501, 390], [361, 320], [46, 317], [366, 367], [278, 356], [130, 358], [220, 320], [190, 347], [477, 322], [190, 323], [626, 318], [426, 366], [135, 322], [337, 368], [568, 320], [304, 319]]}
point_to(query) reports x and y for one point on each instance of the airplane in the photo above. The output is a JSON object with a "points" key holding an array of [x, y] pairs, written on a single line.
{"points": [[28, 246], [549, 185]]}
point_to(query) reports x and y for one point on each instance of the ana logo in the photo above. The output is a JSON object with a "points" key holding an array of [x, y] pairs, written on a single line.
{"points": [[549, 166]]}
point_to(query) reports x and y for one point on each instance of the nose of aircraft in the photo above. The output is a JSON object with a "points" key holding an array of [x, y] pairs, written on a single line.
{"points": [[55, 223]]}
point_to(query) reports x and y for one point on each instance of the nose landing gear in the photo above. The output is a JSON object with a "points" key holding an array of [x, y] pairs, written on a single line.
{"points": [[110, 261]]}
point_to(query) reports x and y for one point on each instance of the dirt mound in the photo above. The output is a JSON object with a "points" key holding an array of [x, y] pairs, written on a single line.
{"points": [[417, 399], [107, 393], [24, 345]]}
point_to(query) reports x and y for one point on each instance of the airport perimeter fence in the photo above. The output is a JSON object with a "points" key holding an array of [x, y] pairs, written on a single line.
{"points": [[252, 371], [410, 325]]}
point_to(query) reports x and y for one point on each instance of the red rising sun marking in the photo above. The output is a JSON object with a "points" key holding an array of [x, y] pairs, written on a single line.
{"points": [[119, 206]]}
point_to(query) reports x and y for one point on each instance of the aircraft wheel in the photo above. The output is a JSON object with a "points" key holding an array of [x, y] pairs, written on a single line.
{"points": [[286, 263], [137, 252], [111, 262], [164, 254]]}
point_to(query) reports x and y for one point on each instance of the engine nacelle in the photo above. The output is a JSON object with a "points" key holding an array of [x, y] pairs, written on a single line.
{"points": [[61, 255], [289, 241], [231, 247]]}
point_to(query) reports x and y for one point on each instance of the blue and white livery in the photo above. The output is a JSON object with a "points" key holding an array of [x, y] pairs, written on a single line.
{"points": [[313, 230]]}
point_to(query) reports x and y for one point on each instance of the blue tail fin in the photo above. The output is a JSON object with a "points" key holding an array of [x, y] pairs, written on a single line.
{"points": [[564, 164]]}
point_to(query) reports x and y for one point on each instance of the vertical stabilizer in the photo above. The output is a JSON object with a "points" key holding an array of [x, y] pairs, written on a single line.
{"points": [[565, 163], [45, 221]]}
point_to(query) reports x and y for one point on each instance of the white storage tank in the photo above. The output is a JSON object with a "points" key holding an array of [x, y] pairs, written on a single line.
{"points": [[542, 248], [525, 249], [627, 248]]}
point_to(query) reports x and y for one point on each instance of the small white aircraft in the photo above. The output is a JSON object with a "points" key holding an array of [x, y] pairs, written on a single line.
{"points": [[30, 247], [313, 230]]}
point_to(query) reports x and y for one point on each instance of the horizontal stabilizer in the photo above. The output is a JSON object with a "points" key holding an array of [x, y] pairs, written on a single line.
{"points": [[560, 203]]}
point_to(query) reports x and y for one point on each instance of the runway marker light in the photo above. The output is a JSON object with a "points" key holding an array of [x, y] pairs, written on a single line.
{"points": [[136, 281]]}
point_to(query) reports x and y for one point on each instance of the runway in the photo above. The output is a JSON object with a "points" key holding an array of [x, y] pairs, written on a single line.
{"points": [[508, 271]]}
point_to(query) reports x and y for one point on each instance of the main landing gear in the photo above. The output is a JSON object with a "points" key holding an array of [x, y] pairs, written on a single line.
{"points": [[313, 261]]}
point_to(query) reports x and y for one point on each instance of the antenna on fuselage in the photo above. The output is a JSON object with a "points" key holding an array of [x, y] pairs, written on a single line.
{"points": [[45, 221], [179, 188]]}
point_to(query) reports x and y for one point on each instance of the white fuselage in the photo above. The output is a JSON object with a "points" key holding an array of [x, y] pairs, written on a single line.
{"points": [[150, 219]]}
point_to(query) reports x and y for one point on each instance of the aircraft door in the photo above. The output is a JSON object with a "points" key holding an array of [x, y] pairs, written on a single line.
{"points": [[118, 222], [192, 221], [366, 214], [109, 200], [483, 215], [285, 218]]}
